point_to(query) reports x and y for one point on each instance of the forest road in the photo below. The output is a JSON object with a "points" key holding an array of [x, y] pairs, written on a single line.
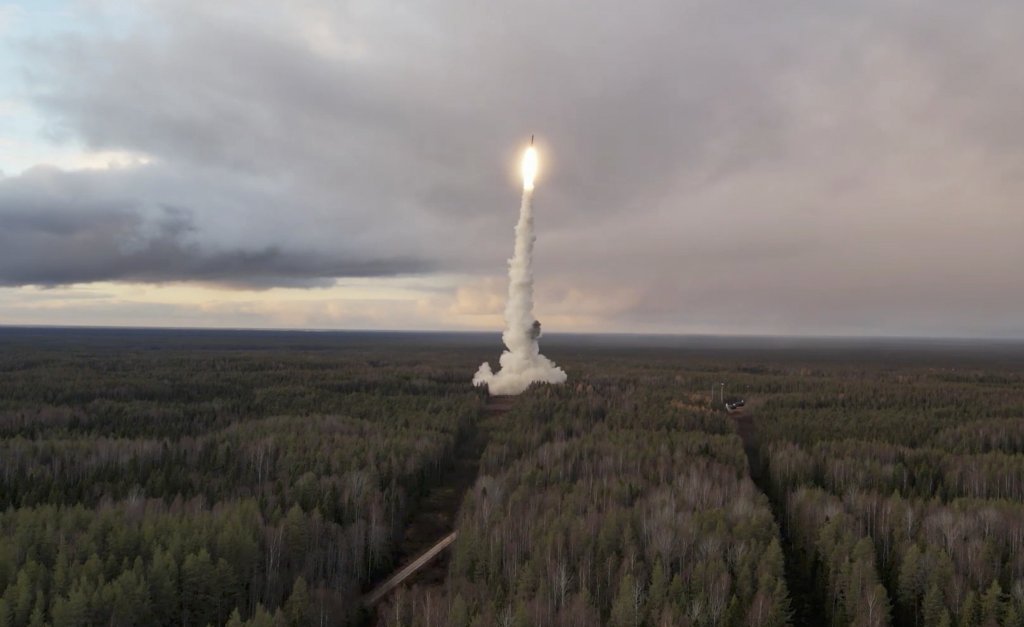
{"points": [[806, 610], [432, 527], [406, 571]]}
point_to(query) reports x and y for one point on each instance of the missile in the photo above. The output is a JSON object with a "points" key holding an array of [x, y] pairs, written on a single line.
{"points": [[529, 166]]}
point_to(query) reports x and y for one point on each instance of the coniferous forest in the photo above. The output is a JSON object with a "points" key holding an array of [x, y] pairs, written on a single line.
{"points": [[271, 478]]}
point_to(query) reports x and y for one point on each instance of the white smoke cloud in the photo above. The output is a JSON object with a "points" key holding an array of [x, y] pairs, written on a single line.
{"points": [[522, 363]]}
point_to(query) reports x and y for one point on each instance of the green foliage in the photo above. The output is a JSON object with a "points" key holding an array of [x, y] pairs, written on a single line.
{"points": [[190, 484], [921, 470], [597, 506], [266, 479]]}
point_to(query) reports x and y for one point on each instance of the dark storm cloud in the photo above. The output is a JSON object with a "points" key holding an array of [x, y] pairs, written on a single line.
{"points": [[842, 165], [61, 228]]}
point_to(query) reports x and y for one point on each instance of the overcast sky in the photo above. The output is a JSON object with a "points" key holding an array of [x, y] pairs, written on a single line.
{"points": [[841, 168]]}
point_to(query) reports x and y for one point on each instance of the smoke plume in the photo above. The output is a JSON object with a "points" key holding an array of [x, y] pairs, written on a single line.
{"points": [[521, 363]]}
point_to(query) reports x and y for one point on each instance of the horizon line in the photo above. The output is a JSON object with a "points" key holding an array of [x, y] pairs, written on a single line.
{"points": [[762, 336]]}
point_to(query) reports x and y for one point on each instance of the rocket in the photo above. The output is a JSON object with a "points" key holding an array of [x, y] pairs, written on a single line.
{"points": [[521, 363]]}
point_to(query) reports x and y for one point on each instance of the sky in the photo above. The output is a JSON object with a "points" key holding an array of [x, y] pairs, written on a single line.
{"points": [[707, 167]]}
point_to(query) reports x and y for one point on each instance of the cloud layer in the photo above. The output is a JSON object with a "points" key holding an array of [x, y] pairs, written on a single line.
{"points": [[80, 227], [816, 168]]}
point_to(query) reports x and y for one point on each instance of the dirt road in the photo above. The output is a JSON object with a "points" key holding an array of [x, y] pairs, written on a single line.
{"points": [[403, 573]]}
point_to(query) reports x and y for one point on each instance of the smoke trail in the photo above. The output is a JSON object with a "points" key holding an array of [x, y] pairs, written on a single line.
{"points": [[522, 363]]}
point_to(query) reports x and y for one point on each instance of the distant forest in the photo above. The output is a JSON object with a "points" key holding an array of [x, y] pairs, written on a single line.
{"points": [[245, 478]]}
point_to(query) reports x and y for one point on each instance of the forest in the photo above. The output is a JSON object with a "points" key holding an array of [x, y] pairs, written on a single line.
{"points": [[909, 484], [273, 478], [160, 485]]}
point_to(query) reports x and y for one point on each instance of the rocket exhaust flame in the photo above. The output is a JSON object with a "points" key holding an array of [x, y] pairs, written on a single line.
{"points": [[529, 168], [522, 363]]}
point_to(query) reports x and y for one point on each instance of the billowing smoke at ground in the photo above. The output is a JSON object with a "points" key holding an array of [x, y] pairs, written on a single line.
{"points": [[522, 363]]}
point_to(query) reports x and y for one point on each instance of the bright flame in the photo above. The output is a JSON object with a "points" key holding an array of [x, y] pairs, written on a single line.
{"points": [[529, 167]]}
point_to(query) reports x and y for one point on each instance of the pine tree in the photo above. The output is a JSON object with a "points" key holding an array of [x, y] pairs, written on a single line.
{"points": [[623, 613], [197, 582], [296, 609], [77, 609], [226, 588], [992, 605], [37, 618], [969, 612], [933, 605], [131, 604], [910, 580], [295, 537], [1012, 617], [261, 618], [458, 616], [280, 620], [23, 598], [771, 566], [676, 592], [163, 588], [61, 576], [780, 604], [522, 617], [658, 590], [235, 620]]}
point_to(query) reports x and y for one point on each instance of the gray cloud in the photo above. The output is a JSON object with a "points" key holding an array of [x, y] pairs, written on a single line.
{"points": [[62, 228], [759, 166]]}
